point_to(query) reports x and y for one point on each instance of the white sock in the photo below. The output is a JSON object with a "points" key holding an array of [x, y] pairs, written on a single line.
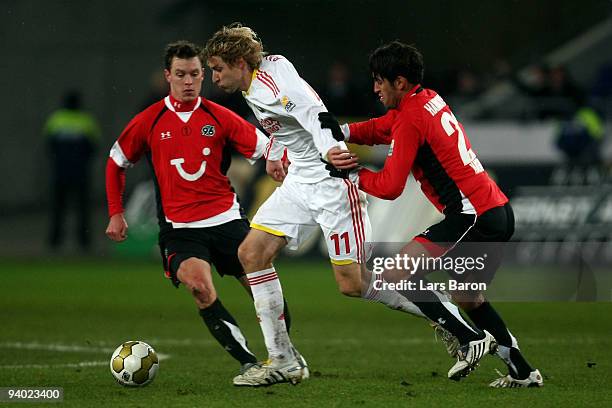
{"points": [[390, 298], [268, 300]]}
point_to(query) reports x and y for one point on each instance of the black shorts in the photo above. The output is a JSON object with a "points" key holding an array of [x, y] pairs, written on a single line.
{"points": [[216, 245], [467, 235]]}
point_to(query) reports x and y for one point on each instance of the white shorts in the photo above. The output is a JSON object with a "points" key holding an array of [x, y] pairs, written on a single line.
{"points": [[295, 209]]}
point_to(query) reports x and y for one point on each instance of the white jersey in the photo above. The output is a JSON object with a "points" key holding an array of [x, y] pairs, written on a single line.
{"points": [[287, 108]]}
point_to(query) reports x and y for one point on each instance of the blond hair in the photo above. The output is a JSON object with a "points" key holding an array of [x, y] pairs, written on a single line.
{"points": [[233, 42]]}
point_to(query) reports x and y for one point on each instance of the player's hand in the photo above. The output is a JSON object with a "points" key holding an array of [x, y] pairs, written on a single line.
{"points": [[328, 121], [276, 169], [342, 159], [347, 174], [117, 228]]}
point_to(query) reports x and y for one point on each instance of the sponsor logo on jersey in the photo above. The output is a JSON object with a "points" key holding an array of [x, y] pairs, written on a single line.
{"points": [[208, 130], [166, 135], [270, 125], [391, 148], [178, 163], [287, 104]]}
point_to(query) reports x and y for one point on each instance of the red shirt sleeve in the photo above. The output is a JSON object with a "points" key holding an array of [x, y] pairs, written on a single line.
{"points": [[389, 183], [240, 133], [132, 142], [115, 187], [126, 151], [373, 131]]}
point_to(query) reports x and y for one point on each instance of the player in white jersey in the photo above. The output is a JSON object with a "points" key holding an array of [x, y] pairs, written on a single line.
{"points": [[288, 108]]}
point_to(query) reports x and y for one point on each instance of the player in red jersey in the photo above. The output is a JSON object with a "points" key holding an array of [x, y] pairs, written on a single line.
{"points": [[187, 140], [426, 139]]}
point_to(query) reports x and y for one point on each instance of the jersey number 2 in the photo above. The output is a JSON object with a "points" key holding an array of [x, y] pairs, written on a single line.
{"points": [[345, 238], [451, 125]]}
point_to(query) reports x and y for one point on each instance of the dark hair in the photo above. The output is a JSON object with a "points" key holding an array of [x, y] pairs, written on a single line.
{"points": [[397, 59], [181, 49]]}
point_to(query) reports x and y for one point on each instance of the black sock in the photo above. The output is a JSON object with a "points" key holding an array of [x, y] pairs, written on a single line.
{"points": [[215, 317], [287, 316], [432, 307], [486, 318]]}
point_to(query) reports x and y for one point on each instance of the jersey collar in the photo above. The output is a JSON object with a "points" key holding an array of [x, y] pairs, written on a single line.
{"points": [[178, 106], [253, 76], [412, 92]]}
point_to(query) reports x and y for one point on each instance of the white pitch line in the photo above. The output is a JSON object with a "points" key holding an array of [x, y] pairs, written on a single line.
{"points": [[65, 365], [62, 348]]}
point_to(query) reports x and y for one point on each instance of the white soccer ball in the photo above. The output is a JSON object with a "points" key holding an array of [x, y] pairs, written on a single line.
{"points": [[134, 364]]}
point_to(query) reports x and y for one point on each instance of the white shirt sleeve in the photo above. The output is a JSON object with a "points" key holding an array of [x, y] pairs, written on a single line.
{"points": [[116, 153], [275, 150], [261, 148]]}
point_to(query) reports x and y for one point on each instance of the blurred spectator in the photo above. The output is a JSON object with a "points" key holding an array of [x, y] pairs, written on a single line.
{"points": [[158, 89], [339, 93], [581, 137], [466, 89], [554, 93], [72, 136], [467, 84], [562, 85]]}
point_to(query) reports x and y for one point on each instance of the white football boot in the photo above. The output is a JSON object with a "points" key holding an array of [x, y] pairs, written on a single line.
{"points": [[507, 381], [469, 355], [303, 363], [293, 371]]}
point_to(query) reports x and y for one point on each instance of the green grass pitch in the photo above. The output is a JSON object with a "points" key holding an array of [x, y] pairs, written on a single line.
{"points": [[60, 321]]}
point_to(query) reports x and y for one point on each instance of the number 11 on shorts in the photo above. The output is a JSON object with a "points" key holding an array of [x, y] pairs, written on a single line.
{"points": [[345, 238]]}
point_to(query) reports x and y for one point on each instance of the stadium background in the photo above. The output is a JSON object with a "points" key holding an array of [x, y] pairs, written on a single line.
{"points": [[110, 51], [481, 57]]}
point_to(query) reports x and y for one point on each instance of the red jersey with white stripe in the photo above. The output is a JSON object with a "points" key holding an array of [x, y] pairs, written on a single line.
{"points": [[190, 154], [426, 138]]}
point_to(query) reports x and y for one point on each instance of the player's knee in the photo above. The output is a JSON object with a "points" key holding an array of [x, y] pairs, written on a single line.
{"points": [[194, 279], [251, 257]]}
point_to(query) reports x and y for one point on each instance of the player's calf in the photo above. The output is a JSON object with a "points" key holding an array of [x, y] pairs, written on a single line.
{"points": [[348, 278]]}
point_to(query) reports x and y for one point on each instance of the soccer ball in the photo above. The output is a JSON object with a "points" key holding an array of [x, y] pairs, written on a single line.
{"points": [[134, 364]]}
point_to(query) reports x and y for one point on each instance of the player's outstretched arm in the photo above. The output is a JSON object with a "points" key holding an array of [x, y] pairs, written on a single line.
{"points": [[376, 131], [389, 183]]}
